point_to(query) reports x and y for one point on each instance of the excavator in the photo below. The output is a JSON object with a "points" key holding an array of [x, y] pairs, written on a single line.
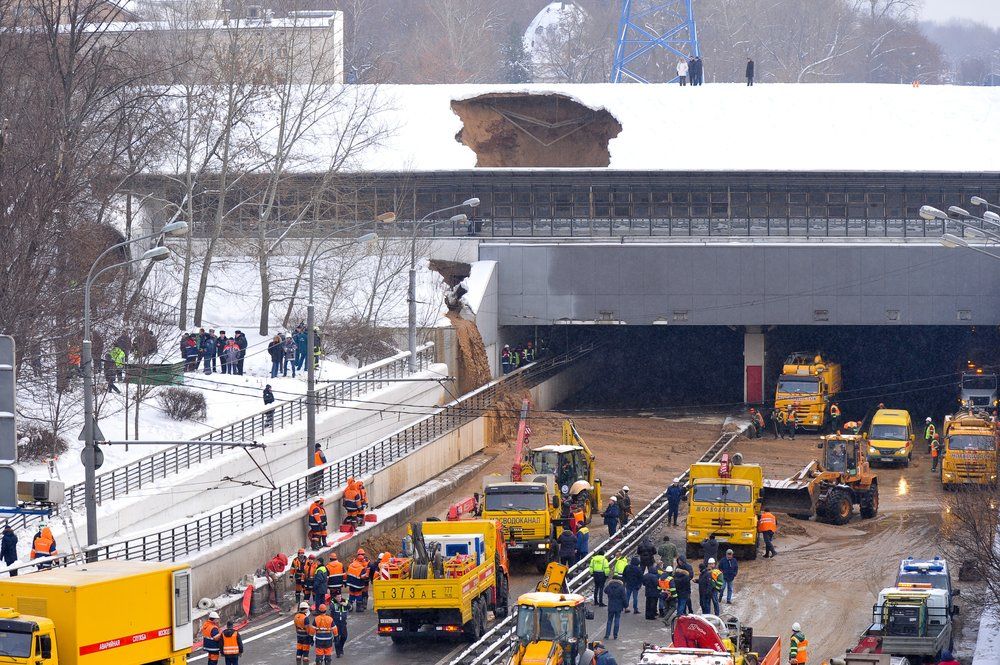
{"points": [[574, 466], [828, 488], [552, 629]]}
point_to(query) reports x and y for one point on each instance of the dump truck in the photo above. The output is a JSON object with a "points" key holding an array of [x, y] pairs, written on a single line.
{"points": [[705, 639], [101, 613], [458, 573], [530, 514], [552, 630], [808, 383], [968, 453], [574, 466], [828, 488], [725, 500], [912, 620]]}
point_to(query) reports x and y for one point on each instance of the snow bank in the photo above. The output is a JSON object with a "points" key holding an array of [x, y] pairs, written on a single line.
{"points": [[475, 284]]}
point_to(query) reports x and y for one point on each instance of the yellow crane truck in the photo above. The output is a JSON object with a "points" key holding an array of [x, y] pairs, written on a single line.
{"points": [[552, 629], [529, 513], [101, 613], [458, 573], [725, 500], [809, 384], [969, 450]]}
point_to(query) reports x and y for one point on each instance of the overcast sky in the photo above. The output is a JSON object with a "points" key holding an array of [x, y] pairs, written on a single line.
{"points": [[985, 11]]}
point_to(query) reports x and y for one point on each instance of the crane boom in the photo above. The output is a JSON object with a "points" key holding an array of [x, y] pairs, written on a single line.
{"points": [[523, 433]]}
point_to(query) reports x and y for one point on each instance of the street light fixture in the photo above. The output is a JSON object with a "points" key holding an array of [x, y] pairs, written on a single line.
{"points": [[980, 201], [311, 324], [931, 213], [158, 253], [950, 240], [411, 322]]}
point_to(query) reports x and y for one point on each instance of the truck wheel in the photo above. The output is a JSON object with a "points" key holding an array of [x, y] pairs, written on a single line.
{"points": [[838, 507], [752, 549], [500, 611], [869, 504]]}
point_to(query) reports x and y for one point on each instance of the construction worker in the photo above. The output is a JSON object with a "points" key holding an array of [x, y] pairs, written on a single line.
{"points": [[335, 571], [851, 427], [211, 637], [364, 501], [929, 432], [935, 452], [600, 568], [339, 610], [357, 581], [308, 573], [321, 582], [834, 417], [767, 525], [319, 458], [325, 632], [717, 584], [798, 646], [351, 503], [317, 524], [778, 423], [619, 565], [299, 574], [43, 544], [668, 593], [232, 644], [304, 632], [790, 422], [624, 505]]}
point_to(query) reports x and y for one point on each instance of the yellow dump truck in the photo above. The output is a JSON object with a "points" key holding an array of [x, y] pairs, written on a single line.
{"points": [[808, 383], [529, 513], [969, 450], [725, 500], [458, 573], [102, 613]]}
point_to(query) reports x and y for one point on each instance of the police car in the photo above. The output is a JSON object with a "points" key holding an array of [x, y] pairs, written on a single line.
{"points": [[933, 572]]}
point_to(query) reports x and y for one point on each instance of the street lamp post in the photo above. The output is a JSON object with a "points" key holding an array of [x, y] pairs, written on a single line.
{"points": [[87, 361], [411, 296]]}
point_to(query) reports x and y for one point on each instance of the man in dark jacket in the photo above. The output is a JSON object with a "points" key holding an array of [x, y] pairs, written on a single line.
{"points": [[8, 548], [611, 515], [749, 71], [705, 589], [730, 568], [682, 582], [651, 586], [232, 642], [567, 547], [674, 495], [667, 551], [220, 346], [710, 548], [647, 553], [624, 505], [617, 600], [321, 582], [268, 399], [241, 342], [633, 582], [208, 352]]}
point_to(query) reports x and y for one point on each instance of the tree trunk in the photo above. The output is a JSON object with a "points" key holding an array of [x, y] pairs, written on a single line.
{"points": [[286, 322]]}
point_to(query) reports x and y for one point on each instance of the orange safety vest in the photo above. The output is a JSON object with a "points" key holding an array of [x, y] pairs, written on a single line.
{"points": [[325, 629], [231, 644], [767, 523], [317, 513], [303, 626], [352, 499], [335, 570], [43, 545], [834, 410], [299, 568], [801, 649], [319, 458], [357, 576], [309, 570], [210, 636], [935, 448]]}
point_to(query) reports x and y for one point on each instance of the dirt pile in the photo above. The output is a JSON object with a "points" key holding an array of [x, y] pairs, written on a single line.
{"points": [[473, 366], [504, 417]]}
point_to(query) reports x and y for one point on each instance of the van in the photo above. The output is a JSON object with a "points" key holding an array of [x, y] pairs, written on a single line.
{"points": [[890, 437]]}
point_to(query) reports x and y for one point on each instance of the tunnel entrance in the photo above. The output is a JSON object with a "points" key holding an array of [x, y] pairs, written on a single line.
{"points": [[702, 367]]}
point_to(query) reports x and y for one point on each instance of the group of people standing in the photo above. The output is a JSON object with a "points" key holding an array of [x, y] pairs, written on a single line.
{"points": [[511, 359], [290, 350], [692, 70], [214, 351]]}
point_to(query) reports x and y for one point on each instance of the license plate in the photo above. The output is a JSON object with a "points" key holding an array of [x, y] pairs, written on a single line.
{"points": [[389, 621], [516, 546], [888, 459]]}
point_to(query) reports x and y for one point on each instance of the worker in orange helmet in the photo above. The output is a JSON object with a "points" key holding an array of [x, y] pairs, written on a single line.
{"points": [[325, 632], [351, 502], [298, 573], [357, 581], [317, 524], [337, 577]]}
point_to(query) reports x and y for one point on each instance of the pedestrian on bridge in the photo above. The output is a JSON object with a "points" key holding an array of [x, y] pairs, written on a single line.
{"points": [[232, 644], [339, 610]]}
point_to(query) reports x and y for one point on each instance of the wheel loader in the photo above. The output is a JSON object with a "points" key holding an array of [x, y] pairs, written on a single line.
{"points": [[831, 487], [574, 466]]}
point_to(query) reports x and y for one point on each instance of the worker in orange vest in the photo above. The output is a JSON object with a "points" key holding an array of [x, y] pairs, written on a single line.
{"points": [[304, 632], [325, 631], [43, 545], [317, 524], [935, 452], [318, 457], [798, 646], [308, 573], [767, 525], [336, 572], [357, 581], [299, 573], [211, 637], [352, 503], [232, 644]]}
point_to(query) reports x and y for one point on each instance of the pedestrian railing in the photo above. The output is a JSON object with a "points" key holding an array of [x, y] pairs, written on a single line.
{"points": [[184, 540], [495, 646], [170, 461]]}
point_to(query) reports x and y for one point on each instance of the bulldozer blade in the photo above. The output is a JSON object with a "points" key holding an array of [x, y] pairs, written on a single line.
{"points": [[794, 498]]}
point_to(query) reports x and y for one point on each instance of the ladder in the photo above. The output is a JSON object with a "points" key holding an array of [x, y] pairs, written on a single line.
{"points": [[76, 553]]}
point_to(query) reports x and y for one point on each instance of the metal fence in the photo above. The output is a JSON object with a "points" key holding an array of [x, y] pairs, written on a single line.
{"points": [[495, 646], [146, 470], [185, 540]]}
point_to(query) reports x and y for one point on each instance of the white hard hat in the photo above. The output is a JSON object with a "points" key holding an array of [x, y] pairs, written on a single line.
{"points": [[928, 419], [796, 627], [614, 498], [711, 560], [670, 569], [624, 488], [303, 605], [213, 615]]}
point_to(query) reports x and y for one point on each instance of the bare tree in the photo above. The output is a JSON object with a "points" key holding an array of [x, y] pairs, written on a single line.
{"points": [[450, 46]]}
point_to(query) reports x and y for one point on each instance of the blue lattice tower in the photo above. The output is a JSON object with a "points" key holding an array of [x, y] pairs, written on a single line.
{"points": [[652, 36]]}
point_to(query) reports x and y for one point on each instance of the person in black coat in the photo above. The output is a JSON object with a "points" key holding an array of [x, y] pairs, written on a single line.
{"points": [[705, 589], [567, 547], [617, 597], [8, 548], [651, 585], [683, 574], [647, 553], [675, 493], [633, 582], [710, 548], [611, 515], [268, 399], [749, 71], [241, 342]]}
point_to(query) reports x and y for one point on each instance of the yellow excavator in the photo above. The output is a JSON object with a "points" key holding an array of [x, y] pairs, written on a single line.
{"points": [[552, 629], [574, 466]]}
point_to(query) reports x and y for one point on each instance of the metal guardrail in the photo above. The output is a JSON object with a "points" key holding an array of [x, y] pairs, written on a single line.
{"points": [[496, 645], [146, 470], [185, 540]]}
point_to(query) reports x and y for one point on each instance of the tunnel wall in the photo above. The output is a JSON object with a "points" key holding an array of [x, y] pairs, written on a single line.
{"points": [[745, 284]]}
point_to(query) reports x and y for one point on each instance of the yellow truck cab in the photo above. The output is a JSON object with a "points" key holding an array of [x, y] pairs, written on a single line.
{"points": [[890, 437], [969, 450], [808, 383], [529, 514], [725, 500], [101, 613], [551, 628]]}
